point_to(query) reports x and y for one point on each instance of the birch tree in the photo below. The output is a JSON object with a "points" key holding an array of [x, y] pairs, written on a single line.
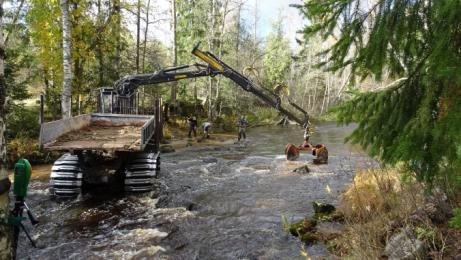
{"points": [[174, 49], [66, 48], [5, 235]]}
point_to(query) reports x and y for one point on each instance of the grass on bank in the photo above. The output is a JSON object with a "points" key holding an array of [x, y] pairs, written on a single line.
{"points": [[378, 204]]}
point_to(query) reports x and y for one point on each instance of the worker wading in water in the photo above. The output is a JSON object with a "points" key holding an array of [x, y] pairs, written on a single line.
{"points": [[206, 129], [242, 125], [192, 120], [306, 146]]}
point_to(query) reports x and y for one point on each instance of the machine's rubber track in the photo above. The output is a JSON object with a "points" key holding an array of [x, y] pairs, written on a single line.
{"points": [[66, 176], [141, 171]]}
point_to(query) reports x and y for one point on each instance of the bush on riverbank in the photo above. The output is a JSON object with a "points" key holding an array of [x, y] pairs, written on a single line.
{"points": [[22, 136], [262, 116], [28, 148], [379, 204]]}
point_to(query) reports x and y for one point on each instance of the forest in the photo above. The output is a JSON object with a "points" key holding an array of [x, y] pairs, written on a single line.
{"points": [[111, 39], [390, 68]]}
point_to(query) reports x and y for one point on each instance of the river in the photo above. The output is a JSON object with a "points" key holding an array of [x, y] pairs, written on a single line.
{"points": [[211, 202]]}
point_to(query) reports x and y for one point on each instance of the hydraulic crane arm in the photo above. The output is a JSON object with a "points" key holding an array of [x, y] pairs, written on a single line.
{"points": [[128, 84], [246, 84]]}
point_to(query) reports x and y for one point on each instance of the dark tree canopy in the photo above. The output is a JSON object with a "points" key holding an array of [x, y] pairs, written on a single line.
{"points": [[418, 119]]}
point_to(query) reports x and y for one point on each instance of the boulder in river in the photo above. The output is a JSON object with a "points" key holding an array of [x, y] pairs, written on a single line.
{"points": [[323, 208], [304, 229], [209, 160], [167, 149], [302, 169], [405, 246]]}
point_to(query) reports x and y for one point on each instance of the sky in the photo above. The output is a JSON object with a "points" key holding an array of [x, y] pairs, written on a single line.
{"points": [[267, 11]]}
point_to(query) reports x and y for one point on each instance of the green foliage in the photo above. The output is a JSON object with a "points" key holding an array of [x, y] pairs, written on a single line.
{"points": [[26, 147], [98, 41], [19, 60], [277, 56], [455, 221], [45, 33], [22, 122], [417, 120], [262, 116], [425, 234]]}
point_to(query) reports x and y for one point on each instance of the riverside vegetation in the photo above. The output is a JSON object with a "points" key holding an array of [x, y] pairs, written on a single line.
{"points": [[391, 66], [411, 123]]}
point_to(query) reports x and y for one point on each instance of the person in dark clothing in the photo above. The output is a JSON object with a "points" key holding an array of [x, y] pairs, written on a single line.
{"points": [[192, 120], [242, 125]]}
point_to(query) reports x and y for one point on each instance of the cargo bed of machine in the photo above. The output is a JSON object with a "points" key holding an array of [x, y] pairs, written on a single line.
{"points": [[108, 132]]}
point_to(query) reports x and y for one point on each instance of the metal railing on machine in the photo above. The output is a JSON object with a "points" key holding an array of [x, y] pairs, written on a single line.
{"points": [[108, 101]]}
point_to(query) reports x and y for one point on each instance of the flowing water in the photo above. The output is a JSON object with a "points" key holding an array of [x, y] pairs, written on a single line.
{"points": [[212, 202]]}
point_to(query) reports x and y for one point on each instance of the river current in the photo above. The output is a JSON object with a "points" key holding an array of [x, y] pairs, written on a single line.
{"points": [[211, 202]]}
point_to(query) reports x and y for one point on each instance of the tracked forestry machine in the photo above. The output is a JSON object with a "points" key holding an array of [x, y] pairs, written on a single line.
{"points": [[122, 138]]}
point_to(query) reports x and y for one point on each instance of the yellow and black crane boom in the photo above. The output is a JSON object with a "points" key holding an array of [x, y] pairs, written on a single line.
{"points": [[128, 85]]}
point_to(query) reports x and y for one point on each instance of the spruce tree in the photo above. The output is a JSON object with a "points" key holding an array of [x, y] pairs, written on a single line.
{"points": [[417, 120]]}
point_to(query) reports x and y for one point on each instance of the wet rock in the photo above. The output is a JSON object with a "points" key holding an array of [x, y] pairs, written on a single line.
{"points": [[192, 206], [304, 229], [167, 149], [209, 160], [322, 209], [40, 243], [302, 169], [405, 246], [309, 238], [435, 208], [303, 226]]}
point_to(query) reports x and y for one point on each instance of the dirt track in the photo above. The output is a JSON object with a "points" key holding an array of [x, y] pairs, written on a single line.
{"points": [[100, 137]]}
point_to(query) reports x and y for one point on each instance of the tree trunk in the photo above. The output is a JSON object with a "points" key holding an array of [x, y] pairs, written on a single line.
{"points": [[210, 47], [13, 22], [118, 31], [78, 62], [174, 85], [328, 92], [220, 52], [5, 230], [324, 96], [99, 54], [255, 33], [145, 38], [237, 54], [195, 97], [314, 98], [67, 75], [138, 34]]}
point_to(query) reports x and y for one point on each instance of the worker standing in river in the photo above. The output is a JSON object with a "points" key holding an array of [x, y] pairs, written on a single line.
{"points": [[306, 145], [192, 120], [242, 125]]}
